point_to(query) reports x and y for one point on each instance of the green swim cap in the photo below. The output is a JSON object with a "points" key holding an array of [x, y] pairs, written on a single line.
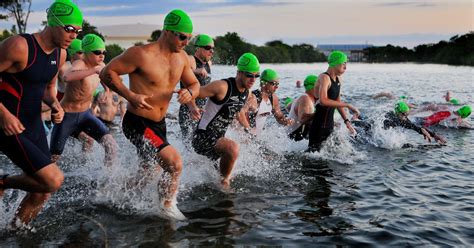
{"points": [[401, 107], [454, 101], [76, 46], [96, 92], [464, 111], [288, 101], [248, 63], [178, 20], [310, 81], [337, 58], [203, 40], [268, 75], [403, 97], [92, 42], [64, 12]]}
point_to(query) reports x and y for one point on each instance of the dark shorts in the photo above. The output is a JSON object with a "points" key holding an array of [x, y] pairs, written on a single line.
{"points": [[300, 133], [28, 150], [149, 137], [204, 143], [72, 125]]}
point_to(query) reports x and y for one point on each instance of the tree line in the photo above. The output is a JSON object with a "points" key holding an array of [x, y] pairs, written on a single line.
{"points": [[459, 50]]}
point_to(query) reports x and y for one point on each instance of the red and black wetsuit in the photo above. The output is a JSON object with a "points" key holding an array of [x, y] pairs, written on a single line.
{"points": [[323, 120], [21, 93]]}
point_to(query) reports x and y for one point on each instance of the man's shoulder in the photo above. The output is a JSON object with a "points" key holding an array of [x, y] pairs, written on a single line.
{"points": [[14, 45]]}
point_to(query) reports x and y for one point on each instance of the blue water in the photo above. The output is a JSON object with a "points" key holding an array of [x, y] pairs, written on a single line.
{"points": [[369, 193]]}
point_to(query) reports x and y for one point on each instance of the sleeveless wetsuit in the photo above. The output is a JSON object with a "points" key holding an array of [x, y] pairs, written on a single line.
{"points": [[186, 123], [265, 108], [323, 120], [21, 93], [298, 130], [216, 119]]}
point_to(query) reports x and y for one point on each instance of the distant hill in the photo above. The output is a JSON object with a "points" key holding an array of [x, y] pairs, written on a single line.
{"points": [[126, 35], [128, 30]]}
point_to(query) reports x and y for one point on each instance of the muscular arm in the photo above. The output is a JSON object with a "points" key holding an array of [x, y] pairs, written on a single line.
{"points": [[305, 110], [216, 89], [78, 71], [122, 64], [190, 81], [250, 105], [279, 116], [13, 59], [341, 109]]}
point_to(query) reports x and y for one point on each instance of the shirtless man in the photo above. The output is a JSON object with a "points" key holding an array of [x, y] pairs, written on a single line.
{"points": [[108, 104], [262, 103], [302, 110], [81, 81], [29, 66], [154, 70], [226, 99]]}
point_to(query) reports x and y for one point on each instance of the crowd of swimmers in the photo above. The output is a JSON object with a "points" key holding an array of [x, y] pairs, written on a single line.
{"points": [[39, 88]]}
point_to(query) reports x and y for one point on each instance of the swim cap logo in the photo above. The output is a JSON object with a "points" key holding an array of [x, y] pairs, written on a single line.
{"points": [[172, 19], [244, 61], [61, 9], [87, 41]]}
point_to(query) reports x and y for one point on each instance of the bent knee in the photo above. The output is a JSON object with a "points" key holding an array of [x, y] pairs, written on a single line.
{"points": [[230, 148], [54, 183], [172, 161]]}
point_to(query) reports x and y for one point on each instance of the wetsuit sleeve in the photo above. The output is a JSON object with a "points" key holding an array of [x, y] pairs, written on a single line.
{"points": [[393, 121], [409, 125]]}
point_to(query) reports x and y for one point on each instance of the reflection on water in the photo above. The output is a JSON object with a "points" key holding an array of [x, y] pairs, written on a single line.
{"points": [[352, 193]]}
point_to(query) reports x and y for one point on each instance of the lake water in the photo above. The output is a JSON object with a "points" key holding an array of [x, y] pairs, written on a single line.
{"points": [[369, 193]]}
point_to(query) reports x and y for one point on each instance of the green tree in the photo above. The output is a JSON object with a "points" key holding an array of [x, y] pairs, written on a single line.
{"points": [[87, 28], [113, 51], [230, 47], [5, 34], [18, 9]]}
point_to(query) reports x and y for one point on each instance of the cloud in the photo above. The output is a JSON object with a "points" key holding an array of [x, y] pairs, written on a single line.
{"points": [[407, 4], [107, 8]]}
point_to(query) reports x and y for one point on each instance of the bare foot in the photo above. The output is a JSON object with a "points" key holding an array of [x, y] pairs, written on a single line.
{"points": [[225, 183], [170, 211]]}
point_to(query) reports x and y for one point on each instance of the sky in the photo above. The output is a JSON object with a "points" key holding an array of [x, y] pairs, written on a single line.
{"points": [[379, 22]]}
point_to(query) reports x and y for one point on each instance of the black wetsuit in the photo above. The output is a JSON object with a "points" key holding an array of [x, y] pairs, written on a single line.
{"points": [[21, 93], [187, 124], [217, 117], [323, 119], [364, 127], [392, 120]]}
